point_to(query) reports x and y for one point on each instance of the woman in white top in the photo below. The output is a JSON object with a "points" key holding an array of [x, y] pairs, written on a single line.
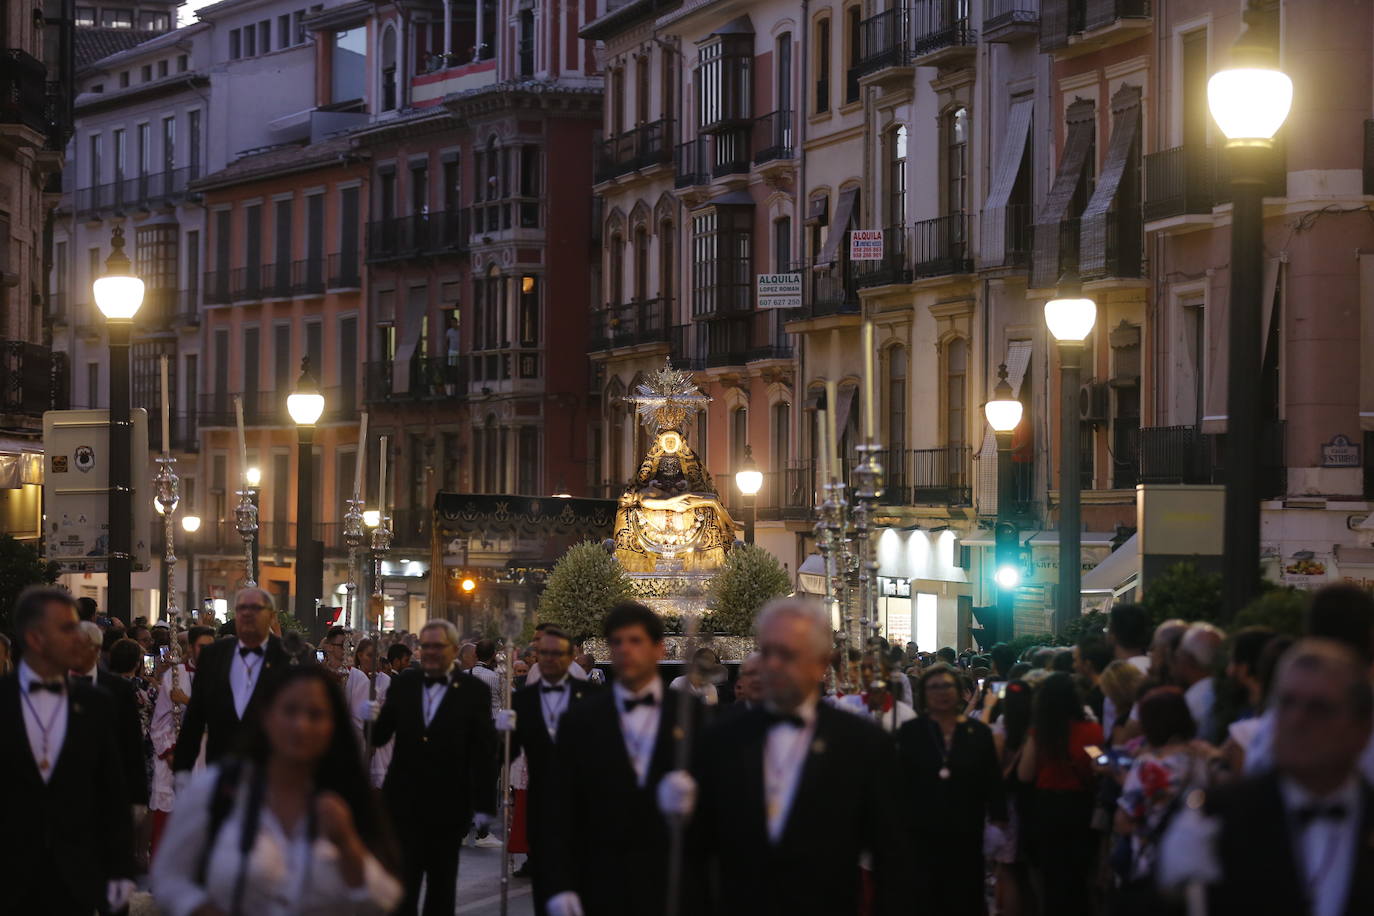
{"points": [[703, 673], [286, 830], [367, 687]]}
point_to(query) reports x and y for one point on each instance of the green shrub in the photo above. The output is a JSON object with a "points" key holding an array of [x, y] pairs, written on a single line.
{"points": [[584, 584], [21, 565], [1184, 592], [1281, 609], [750, 577]]}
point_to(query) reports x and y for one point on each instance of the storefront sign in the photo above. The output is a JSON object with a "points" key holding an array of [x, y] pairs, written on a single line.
{"points": [[1340, 452], [779, 291], [865, 244]]}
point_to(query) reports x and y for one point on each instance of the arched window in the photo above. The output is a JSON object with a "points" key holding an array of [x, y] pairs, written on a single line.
{"points": [[739, 436], [896, 177], [616, 270]]}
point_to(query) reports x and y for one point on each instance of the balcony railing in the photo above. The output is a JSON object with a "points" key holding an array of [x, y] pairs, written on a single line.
{"points": [[183, 430], [418, 234], [681, 350], [1186, 455], [1018, 235], [630, 324], [504, 214], [789, 493], [276, 280], [261, 407], [1102, 13], [307, 277], [640, 147], [245, 283], [895, 266], [430, 378], [884, 41], [773, 137], [690, 163], [940, 246], [1178, 181], [142, 191], [216, 288], [929, 476], [730, 152], [941, 24], [1005, 20], [829, 291], [33, 378], [343, 271], [23, 91]]}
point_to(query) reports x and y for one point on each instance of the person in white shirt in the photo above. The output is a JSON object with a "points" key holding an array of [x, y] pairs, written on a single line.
{"points": [[704, 672], [366, 689], [1128, 633], [1194, 662], [290, 828], [1298, 838], [168, 710], [876, 699]]}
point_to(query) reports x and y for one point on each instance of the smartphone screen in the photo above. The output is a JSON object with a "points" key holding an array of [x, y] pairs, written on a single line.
{"points": [[1002, 691], [162, 652], [319, 656], [1095, 752], [149, 664], [981, 682]]}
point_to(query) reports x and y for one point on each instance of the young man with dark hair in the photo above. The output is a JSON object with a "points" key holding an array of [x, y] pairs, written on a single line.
{"points": [[539, 710], [86, 608], [66, 828], [398, 657], [612, 750], [1091, 657]]}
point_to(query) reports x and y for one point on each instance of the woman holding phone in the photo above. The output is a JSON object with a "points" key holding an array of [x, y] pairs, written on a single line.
{"points": [[287, 827]]}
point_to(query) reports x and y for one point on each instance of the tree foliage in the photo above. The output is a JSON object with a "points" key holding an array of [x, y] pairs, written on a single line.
{"points": [[1279, 608], [1184, 592], [21, 565], [584, 584], [750, 577]]}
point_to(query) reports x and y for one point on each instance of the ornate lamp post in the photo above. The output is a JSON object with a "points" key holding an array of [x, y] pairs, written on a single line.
{"points": [[1070, 317], [749, 479], [119, 294], [1249, 100], [305, 405], [190, 523], [1003, 414]]}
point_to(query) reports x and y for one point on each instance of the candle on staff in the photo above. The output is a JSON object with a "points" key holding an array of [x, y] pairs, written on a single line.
{"points": [[362, 456], [166, 409], [870, 432], [381, 477], [243, 441], [832, 433], [822, 449]]}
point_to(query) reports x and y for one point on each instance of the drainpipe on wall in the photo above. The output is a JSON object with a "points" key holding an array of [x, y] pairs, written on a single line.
{"points": [[448, 30]]}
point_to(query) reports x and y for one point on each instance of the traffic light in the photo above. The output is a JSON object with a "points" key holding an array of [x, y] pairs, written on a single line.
{"points": [[1008, 562], [995, 628]]}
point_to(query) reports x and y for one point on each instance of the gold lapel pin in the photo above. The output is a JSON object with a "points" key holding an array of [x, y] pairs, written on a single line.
{"points": [[818, 746], [678, 733]]}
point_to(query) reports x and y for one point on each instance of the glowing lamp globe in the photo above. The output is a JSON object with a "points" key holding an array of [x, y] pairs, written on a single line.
{"points": [[118, 297], [1070, 319], [305, 407], [1007, 577], [372, 517], [1003, 411], [1249, 103], [190, 523], [749, 478], [253, 476]]}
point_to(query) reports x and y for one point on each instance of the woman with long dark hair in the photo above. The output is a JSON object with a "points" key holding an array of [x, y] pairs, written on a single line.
{"points": [[949, 765], [286, 827], [1056, 765]]}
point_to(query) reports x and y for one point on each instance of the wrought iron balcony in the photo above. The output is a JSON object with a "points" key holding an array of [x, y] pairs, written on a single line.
{"points": [[216, 288], [638, 148], [789, 493], [1098, 14], [1008, 20], [884, 41], [245, 283], [307, 276], [154, 189], [1186, 455], [895, 266], [420, 234], [690, 163], [428, 378], [928, 476], [829, 291], [1178, 181], [33, 378], [630, 324], [940, 246], [941, 31], [773, 137], [276, 282], [24, 91], [681, 349]]}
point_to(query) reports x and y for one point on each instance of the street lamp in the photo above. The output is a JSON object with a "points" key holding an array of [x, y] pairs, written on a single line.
{"points": [[372, 517], [1070, 317], [1249, 100], [749, 479], [118, 294], [191, 524], [1003, 412], [305, 405]]}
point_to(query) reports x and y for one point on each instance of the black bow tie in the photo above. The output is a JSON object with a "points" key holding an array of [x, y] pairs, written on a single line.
{"points": [[50, 686], [1309, 813], [554, 688], [647, 700], [786, 718], [435, 681], [245, 651], [81, 678]]}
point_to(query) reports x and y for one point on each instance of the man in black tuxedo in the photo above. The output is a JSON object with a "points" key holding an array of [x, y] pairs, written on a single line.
{"points": [[443, 768], [789, 796], [1300, 838], [539, 708], [612, 750], [66, 831], [231, 674], [128, 724]]}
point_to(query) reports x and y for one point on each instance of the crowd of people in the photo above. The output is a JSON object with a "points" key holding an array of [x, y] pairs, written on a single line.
{"points": [[234, 770]]}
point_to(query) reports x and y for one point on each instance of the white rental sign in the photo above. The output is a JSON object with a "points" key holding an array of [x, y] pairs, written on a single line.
{"points": [[865, 244], [780, 291], [76, 489]]}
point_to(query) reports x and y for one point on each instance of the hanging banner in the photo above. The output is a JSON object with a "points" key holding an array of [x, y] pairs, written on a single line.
{"points": [[865, 244]]}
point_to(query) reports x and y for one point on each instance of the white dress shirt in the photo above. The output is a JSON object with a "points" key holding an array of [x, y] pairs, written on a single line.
{"points": [[287, 873], [784, 755], [244, 671], [575, 671], [893, 719], [1325, 848], [493, 681], [433, 696], [43, 710], [707, 692], [553, 702], [639, 726]]}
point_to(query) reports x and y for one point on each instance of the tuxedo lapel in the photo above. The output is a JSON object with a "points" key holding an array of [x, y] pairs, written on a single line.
{"points": [[754, 804], [1359, 899], [78, 724], [811, 780]]}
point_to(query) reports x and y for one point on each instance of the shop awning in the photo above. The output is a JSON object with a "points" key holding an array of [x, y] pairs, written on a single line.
{"points": [[1092, 240], [994, 219], [1081, 125], [1118, 573], [839, 227], [811, 575]]}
